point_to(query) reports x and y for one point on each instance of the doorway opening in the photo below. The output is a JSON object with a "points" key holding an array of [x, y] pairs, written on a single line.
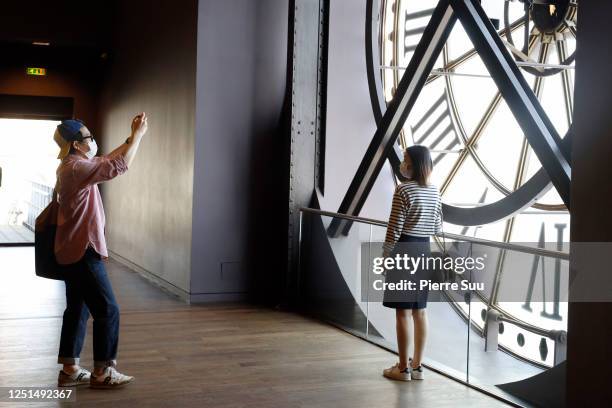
{"points": [[28, 160]]}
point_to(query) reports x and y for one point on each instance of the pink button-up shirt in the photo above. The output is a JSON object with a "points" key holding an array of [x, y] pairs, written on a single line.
{"points": [[80, 221]]}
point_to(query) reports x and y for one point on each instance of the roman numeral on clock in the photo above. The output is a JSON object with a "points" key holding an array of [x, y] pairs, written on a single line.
{"points": [[415, 25], [435, 127]]}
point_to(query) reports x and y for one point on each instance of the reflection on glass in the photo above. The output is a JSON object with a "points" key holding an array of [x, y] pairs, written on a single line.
{"points": [[510, 331]]}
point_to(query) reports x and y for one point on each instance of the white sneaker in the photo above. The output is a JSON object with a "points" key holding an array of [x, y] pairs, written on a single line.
{"points": [[395, 373], [110, 379], [417, 373], [80, 377]]}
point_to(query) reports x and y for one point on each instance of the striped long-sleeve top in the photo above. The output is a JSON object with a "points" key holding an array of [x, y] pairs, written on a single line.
{"points": [[416, 211]]}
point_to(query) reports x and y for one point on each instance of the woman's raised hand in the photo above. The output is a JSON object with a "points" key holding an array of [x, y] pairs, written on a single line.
{"points": [[140, 125]]}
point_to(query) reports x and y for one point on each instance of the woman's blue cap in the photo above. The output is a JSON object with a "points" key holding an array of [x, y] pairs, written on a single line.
{"points": [[69, 130]]}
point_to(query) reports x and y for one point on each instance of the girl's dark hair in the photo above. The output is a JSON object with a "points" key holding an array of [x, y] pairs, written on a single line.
{"points": [[422, 165]]}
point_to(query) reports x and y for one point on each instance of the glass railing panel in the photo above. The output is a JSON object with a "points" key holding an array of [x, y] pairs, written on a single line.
{"points": [[497, 321], [519, 323], [447, 334], [330, 280]]}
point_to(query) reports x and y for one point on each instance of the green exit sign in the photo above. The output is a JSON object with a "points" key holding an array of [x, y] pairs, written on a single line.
{"points": [[36, 71]]}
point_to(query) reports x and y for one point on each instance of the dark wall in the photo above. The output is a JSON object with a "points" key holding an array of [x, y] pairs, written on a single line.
{"points": [[269, 155], [224, 179], [152, 69], [242, 60], [590, 324], [66, 22], [78, 33], [65, 77]]}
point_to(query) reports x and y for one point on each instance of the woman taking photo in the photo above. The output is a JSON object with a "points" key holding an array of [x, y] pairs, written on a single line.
{"points": [[416, 214], [80, 245]]}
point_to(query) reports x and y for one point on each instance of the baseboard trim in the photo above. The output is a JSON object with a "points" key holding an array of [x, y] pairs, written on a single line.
{"points": [[217, 297], [174, 290], [151, 277]]}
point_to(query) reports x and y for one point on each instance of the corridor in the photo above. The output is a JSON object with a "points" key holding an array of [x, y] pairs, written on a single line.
{"points": [[221, 355]]}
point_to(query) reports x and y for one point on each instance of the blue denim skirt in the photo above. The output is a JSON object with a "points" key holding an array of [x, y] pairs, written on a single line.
{"points": [[414, 247]]}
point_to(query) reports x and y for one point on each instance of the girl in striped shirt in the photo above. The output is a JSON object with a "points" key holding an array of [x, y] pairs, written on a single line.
{"points": [[416, 214]]}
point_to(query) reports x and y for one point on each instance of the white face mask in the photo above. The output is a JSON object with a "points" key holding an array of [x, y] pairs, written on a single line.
{"points": [[405, 171], [93, 149]]}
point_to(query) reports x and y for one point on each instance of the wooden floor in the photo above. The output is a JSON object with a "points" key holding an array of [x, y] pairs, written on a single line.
{"points": [[205, 356]]}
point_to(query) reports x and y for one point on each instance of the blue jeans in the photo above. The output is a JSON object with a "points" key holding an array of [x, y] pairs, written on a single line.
{"points": [[89, 290]]}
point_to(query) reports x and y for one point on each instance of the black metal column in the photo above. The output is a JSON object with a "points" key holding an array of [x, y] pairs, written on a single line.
{"points": [[307, 95]]}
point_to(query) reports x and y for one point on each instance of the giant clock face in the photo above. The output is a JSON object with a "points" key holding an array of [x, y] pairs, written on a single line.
{"points": [[481, 155]]}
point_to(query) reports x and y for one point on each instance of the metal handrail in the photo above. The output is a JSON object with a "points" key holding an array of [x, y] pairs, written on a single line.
{"points": [[495, 315], [495, 244]]}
